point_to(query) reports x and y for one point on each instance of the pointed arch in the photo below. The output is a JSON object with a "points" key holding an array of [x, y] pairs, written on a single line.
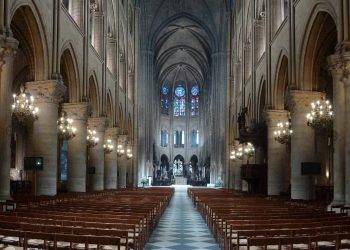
{"points": [[93, 95], [28, 29], [69, 72], [321, 39], [110, 109], [281, 82]]}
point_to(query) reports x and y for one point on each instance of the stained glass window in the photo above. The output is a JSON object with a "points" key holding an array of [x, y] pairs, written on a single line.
{"points": [[194, 101], [165, 100], [180, 101], [179, 138]]}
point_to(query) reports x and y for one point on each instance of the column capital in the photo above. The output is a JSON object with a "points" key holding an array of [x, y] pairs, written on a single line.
{"points": [[50, 91], [8, 49], [299, 101], [345, 56], [77, 111], [122, 139], [112, 133], [273, 116], [97, 123]]}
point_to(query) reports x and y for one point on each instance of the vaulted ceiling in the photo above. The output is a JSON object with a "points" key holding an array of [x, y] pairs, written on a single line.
{"points": [[182, 34]]}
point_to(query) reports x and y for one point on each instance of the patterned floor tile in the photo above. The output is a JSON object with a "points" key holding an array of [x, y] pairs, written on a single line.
{"points": [[181, 227]]}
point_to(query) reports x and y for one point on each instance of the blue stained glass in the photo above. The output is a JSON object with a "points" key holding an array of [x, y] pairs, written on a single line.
{"points": [[195, 90], [165, 89], [180, 91]]}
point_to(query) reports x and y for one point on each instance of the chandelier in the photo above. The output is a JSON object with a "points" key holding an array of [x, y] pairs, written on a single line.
{"points": [[91, 138], [233, 155], [23, 109], [108, 146], [283, 132], [321, 116], [242, 150], [120, 150], [66, 131], [128, 154]]}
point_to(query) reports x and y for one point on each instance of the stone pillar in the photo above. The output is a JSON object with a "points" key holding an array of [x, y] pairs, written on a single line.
{"points": [[336, 68], [97, 32], [76, 10], [346, 59], [278, 164], [302, 149], [7, 56], [43, 136], [96, 154], [111, 160], [122, 162], [131, 83], [122, 73], [77, 146], [259, 25], [111, 55], [237, 171]]}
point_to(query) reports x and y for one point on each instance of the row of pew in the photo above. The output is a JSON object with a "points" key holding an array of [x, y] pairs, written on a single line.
{"points": [[120, 219], [243, 221]]}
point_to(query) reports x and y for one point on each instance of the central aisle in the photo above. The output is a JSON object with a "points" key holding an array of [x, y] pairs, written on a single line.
{"points": [[181, 227]]}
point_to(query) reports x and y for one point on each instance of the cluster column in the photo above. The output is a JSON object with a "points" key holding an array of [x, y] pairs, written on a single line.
{"points": [[277, 155], [336, 68], [111, 170], [111, 54], [43, 136], [237, 164], [96, 154], [77, 146], [122, 162], [7, 56], [302, 144]]}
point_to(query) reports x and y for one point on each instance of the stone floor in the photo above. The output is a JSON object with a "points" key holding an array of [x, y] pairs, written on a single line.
{"points": [[181, 227]]}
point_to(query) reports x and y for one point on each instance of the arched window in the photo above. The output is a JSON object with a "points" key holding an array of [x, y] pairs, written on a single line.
{"points": [[179, 138], [194, 101], [180, 101], [195, 138], [165, 100], [164, 138]]}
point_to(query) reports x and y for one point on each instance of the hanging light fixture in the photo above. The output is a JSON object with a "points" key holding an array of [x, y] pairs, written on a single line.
{"points": [[283, 132], [128, 154], [249, 149], [91, 138], [120, 150], [108, 146], [66, 130], [239, 152], [321, 116], [23, 109], [233, 155]]}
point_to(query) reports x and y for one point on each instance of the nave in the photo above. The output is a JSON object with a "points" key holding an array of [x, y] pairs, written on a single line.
{"points": [[181, 226]]}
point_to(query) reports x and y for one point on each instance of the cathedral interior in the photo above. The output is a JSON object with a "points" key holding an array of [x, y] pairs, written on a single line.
{"points": [[174, 121]]}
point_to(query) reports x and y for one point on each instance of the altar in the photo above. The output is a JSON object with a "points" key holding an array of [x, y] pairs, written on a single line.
{"points": [[180, 180]]}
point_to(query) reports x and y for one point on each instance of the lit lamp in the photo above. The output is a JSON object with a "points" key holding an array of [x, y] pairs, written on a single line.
{"points": [[239, 153], [128, 154], [249, 149], [283, 132], [120, 150], [66, 130], [233, 155], [108, 146], [91, 138], [23, 109], [321, 116]]}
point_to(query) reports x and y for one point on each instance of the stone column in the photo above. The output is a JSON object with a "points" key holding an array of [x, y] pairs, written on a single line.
{"points": [[7, 56], [278, 164], [98, 31], [77, 146], [111, 55], [131, 86], [302, 144], [76, 10], [237, 171], [336, 68], [122, 73], [346, 59], [122, 162], [111, 160], [96, 154], [43, 136]]}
